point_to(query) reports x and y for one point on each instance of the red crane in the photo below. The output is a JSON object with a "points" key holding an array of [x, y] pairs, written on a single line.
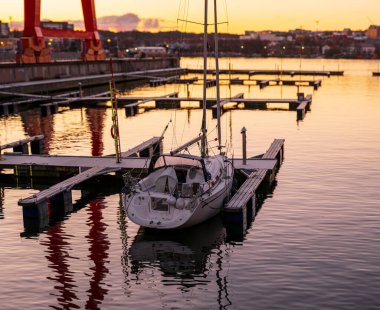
{"points": [[33, 39]]}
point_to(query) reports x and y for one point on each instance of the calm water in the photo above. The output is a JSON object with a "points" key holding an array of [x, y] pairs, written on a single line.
{"points": [[314, 244]]}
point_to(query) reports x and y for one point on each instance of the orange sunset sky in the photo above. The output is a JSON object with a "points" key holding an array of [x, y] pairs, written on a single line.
{"points": [[242, 15]]}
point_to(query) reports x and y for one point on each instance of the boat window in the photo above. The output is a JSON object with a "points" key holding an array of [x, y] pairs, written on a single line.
{"points": [[176, 161]]}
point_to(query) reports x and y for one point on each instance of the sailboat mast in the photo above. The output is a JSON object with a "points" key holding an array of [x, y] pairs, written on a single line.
{"points": [[205, 37], [217, 74]]}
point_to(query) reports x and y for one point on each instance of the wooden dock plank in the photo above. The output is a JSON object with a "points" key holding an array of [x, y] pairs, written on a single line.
{"points": [[185, 145], [65, 185], [257, 175], [20, 142], [144, 145], [274, 149], [270, 72], [9, 161], [301, 110], [223, 103], [255, 163], [97, 170], [247, 190]]}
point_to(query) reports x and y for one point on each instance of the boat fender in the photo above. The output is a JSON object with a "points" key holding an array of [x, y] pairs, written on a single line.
{"points": [[171, 201], [113, 132], [180, 204]]}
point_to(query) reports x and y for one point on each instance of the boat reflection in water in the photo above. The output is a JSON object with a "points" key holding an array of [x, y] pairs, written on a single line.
{"points": [[185, 258]]}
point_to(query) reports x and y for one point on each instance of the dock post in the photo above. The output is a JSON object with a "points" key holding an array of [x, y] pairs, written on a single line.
{"points": [[146, 153], [15, 108], [45, 110], [244, 137], [236, 223], [39, 211], [53, 108], [37, 146], [80, 90], [62, 203], [157, 149], [21, 148], [36, 217], [4, 110], [129, 111], [300, 96]]}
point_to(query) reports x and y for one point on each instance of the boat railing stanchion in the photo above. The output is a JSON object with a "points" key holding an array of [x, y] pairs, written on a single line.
{"points": [[244, 137]]}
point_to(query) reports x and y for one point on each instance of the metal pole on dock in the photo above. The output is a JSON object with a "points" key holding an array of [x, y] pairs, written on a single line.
{"points": [[244, 137]]}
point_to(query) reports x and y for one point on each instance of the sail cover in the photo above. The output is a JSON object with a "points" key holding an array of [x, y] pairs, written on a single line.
{"points": [[167, 181]]}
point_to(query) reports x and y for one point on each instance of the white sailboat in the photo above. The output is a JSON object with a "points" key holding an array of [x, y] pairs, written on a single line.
{"points": [[184, 190]]}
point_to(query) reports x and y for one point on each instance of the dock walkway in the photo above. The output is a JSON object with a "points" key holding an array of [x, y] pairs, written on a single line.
{"points": [[245, 195], [100, 166], [270, 72]]}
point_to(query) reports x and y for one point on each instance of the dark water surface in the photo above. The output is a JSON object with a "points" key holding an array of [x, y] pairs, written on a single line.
{"points": [[314, 243]]}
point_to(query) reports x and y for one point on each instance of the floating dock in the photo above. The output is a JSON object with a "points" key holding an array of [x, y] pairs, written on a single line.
{"points": [[271, 72], [243, 202], [78, 169], [301, 104], [262, 83]]}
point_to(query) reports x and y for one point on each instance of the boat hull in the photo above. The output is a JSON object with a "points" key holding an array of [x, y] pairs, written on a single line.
{"points": [[139, 208]]}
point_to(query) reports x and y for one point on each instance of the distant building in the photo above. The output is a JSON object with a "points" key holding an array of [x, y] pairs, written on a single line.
{"points": [[325, 49], [373, 32], [8, 44], [60, 44], [347, 32], [57, 25], [367, 49], [4, 29], [359, 35], [262, 35]]}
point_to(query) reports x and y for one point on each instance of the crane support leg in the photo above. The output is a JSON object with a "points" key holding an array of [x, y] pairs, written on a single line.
{"points": [[34, 49]]}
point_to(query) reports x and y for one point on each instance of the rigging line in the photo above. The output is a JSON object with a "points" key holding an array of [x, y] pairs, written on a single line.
{"points": [[187, 14], [198, 23], [179, 11], [147, 159], [171, 147], [226, 12], [174, 129], [183, 131], [183, 27]]}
